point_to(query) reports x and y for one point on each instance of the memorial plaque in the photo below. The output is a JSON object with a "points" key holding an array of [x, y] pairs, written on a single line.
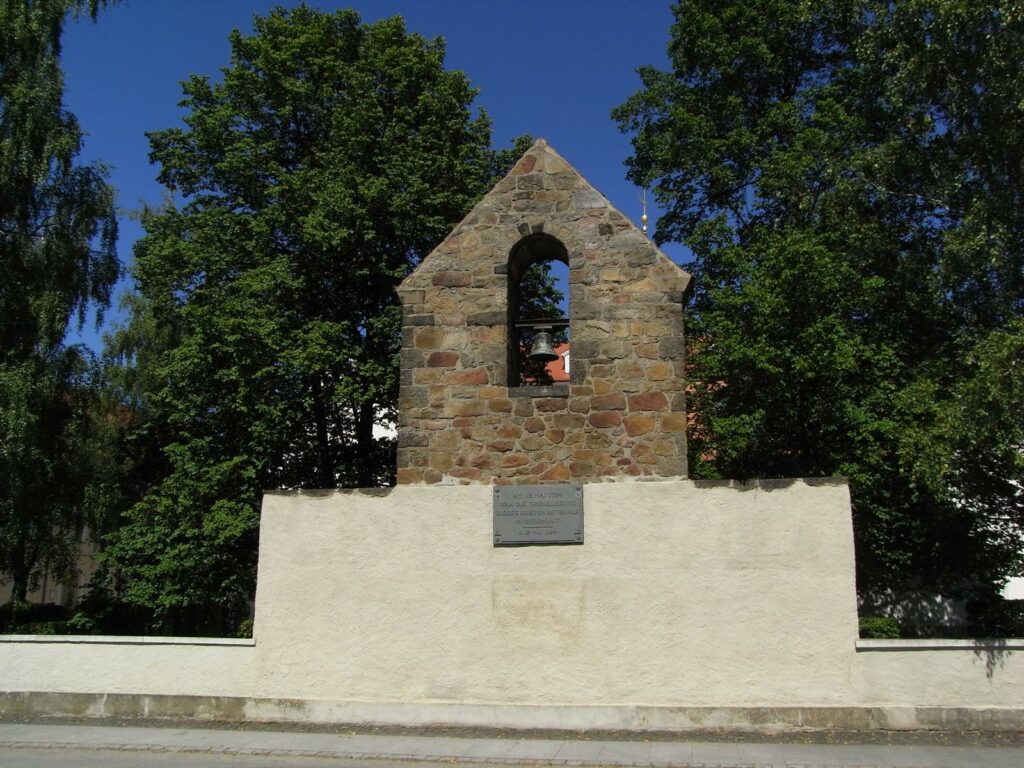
{"points": [[538, 514]]}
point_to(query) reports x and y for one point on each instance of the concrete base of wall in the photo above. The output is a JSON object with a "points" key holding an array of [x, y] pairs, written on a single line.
{"points": [[596, 718]]}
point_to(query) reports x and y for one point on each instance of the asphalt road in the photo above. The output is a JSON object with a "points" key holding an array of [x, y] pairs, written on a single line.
{"points": [[50, 744], [88, 758]]}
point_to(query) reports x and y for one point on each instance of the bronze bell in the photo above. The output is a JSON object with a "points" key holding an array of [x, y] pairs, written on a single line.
{"points": [[543, 348]]}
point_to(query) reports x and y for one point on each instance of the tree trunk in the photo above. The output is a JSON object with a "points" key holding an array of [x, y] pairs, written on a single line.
{"points": [[19, 586], [366, 473], [324, 465]]}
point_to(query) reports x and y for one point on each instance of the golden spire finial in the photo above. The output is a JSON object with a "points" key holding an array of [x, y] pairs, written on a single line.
{"points": [[643, 218]]}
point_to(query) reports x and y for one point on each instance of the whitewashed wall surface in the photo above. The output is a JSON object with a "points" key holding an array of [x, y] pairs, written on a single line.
{"points": [[688, 604]]}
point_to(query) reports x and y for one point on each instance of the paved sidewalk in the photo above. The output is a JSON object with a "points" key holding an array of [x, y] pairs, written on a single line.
{"points": [[505, 750]]}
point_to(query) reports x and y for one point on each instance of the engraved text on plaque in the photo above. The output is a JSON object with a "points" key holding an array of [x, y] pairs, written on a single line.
{"points": [[538, 514]]}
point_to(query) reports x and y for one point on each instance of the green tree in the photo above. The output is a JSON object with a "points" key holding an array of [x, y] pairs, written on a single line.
{"points": [[330, 158], [57, 258], [847, 174]]}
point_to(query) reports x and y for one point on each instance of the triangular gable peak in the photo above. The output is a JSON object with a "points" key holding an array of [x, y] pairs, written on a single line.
{"points": [[542, 193], [461, 416]]}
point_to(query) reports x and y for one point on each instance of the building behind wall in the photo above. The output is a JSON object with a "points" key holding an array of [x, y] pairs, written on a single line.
{"points": [[66, 592]]}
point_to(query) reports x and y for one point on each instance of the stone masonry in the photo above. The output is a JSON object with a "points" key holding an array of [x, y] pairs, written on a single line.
{"points": [[623, 413]]}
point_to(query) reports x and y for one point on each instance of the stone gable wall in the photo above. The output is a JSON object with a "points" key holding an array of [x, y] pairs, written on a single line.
{"points": [[623, 413]]}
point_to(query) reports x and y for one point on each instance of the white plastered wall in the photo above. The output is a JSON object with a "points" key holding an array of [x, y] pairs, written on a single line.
{"points": [[688, 605], [179, 667], [965, 674], [681, 595]]}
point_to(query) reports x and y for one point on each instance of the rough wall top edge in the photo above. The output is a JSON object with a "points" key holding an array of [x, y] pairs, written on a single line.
{"points": [[762, 484]]}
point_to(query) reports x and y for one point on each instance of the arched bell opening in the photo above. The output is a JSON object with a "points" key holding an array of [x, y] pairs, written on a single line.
{"points": [[538, 312]]}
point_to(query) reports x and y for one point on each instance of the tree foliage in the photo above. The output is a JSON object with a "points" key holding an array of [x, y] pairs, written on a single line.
{"points": [[57, 259], [848, 176], [329, 158]]}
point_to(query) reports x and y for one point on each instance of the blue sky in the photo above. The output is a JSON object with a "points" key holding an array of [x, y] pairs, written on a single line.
{"points": [[551, 69]]}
